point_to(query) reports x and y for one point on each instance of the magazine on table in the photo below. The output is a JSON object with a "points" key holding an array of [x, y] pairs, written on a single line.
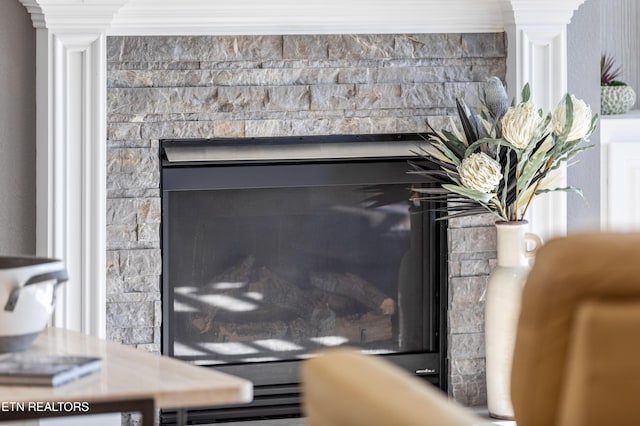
{"points": [[27, 369]]}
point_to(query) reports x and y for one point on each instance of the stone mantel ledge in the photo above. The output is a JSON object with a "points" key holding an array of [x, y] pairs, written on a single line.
{"points": [[204, 17]]}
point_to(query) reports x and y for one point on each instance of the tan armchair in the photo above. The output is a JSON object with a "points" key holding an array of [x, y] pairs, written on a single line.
{"points": [[576, 361]]}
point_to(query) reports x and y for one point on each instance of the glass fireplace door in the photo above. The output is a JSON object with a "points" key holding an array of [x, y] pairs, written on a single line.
{"points": [[271, 274], [273, 262]]}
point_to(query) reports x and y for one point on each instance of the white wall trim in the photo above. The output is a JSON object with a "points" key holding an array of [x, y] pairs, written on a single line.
{"points": [[537, 54], [620, 171], [539, 12], [73, 15], [541, 60], [70, 182], [206, 17], [71, 96], [296, 17]]}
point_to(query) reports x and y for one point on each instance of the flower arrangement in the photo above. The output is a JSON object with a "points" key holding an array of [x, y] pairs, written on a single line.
{"points": [[503, 157]]}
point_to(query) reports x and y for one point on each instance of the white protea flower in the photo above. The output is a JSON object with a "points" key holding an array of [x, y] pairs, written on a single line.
{"points": [[480, 172], [520, 124], [581, 119]]}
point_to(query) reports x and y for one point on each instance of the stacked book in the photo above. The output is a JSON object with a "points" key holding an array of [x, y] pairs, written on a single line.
{"points": [[28, 369]]}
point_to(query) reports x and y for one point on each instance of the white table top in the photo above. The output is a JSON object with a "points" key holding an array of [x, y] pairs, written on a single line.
{"points": [[129, 373]]}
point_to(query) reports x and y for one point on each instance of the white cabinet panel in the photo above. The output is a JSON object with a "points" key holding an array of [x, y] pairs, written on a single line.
{"points": [[620, 172], [624, 186]]}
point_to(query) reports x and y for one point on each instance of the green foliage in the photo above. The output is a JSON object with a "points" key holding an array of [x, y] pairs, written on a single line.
{"points": [[526, 93], [615, 83], [524, 172]]}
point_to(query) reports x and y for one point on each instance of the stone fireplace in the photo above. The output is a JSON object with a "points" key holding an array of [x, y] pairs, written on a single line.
{"points": [[291, 85], [116, 76]]}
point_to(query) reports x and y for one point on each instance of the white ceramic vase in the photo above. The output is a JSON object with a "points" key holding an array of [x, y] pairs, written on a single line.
{"points": [[502, 308]]}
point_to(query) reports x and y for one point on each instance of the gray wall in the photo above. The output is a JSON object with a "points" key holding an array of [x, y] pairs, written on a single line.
{"points": [[583, 48], [17, 130]]}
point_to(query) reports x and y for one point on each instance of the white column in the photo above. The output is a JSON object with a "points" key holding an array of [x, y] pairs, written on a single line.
{"points": [[70, 179], [71, 152], [537, 54]]}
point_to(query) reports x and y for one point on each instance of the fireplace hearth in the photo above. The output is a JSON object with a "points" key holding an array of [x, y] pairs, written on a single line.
{"points": [[275, 248]]}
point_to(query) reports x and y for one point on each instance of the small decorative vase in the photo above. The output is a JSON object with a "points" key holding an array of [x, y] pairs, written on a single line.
{"points": [[616, 99], [502, 308]]}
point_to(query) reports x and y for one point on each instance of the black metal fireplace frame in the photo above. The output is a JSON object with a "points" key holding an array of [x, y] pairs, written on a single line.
{"points": [[275, 396]]}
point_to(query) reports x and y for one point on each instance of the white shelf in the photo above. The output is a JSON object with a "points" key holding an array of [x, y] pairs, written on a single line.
{"points": [[633, 114]]}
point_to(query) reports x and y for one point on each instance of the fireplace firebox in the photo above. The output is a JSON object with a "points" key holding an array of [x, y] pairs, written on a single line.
{"points": [[275, 248]]}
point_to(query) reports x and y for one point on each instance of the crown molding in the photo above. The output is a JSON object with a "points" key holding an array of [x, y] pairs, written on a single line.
{"points": [[206, 17], [295, 17], [539, 12], [72, 15]]}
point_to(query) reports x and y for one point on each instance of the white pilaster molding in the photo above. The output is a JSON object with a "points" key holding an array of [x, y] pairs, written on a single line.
{"points": [[71, 152], [71, 177], [537, 54]]}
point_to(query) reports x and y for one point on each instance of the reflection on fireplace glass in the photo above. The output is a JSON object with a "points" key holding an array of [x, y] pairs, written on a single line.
{"points": [[276, 273]]}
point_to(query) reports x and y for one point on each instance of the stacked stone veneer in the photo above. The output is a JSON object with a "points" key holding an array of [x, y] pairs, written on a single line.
{"points": [[246, 86]]}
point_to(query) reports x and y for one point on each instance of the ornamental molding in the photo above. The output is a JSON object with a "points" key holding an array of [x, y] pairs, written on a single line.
{"points": [[73, 15], [206, 17], [539, 12]]}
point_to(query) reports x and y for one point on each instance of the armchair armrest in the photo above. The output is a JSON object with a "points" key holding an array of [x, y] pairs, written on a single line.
{"points": [[347, 388]]}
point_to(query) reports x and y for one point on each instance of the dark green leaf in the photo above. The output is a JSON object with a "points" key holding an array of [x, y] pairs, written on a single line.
{"points": [[568, 104], [526, 93], [470, 131]]}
